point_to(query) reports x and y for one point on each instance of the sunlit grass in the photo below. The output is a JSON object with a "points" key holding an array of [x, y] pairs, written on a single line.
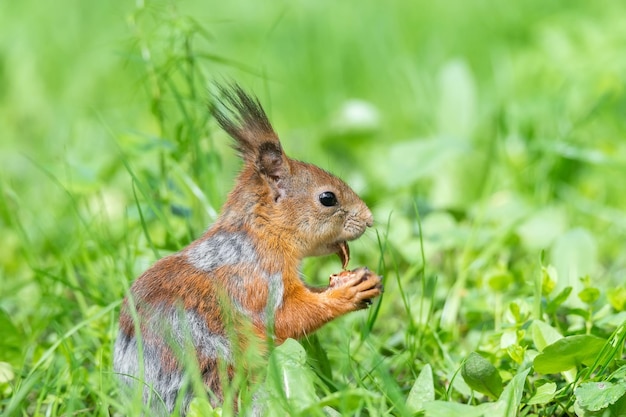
{"points": [[488, 141]]}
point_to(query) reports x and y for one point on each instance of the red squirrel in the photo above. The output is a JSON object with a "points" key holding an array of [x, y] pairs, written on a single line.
{"points": [[244, 271]]}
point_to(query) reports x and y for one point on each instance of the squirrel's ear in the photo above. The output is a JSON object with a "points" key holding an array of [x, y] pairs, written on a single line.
{"points": [[274, 166], [243, 118], [271, 161]]}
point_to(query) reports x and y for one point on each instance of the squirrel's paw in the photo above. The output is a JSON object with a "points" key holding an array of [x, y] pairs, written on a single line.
{"points": [[359, 286]]}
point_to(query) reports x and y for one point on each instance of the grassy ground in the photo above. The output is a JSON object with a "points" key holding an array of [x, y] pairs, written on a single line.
{"points": [[488, 139]]}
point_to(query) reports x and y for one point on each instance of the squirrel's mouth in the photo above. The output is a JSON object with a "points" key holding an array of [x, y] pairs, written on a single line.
{"points": [[344, 253]]}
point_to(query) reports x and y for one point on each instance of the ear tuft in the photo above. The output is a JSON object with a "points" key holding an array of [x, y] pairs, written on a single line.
{"points": [[243, 118]]}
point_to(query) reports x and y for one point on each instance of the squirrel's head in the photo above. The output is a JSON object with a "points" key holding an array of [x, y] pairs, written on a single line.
{"points": [[316, 211]]}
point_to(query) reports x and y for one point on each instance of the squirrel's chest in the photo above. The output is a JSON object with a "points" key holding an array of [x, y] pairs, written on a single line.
{"points": [[233, 264]]}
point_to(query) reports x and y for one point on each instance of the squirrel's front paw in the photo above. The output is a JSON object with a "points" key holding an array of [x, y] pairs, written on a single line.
{"points": [[360, 285]]}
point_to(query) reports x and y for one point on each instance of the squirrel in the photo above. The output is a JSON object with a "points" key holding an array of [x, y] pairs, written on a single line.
{"points": [[240, 281]]}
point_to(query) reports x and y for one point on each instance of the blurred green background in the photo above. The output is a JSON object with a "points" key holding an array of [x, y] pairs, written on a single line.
{"points": [[499, 126]]}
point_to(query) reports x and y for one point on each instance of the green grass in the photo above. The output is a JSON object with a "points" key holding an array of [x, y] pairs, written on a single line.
{"points": [[491, 151]]}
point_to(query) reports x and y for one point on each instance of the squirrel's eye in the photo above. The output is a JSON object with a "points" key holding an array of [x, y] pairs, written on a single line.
{"points": [[328, 199]]}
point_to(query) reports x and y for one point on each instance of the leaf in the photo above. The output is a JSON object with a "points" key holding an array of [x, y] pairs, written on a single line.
{"points": [[516, 352], [543, 334], [567, 353], [508, 403], [200, 407], [595, 396], [589, 295], [481, 375], [317, 356], [619, 407], [290, 375], [545, 393], [617, 298], [560, 298], [349, 400], [499, 279], [548, 279], [423, 390]]}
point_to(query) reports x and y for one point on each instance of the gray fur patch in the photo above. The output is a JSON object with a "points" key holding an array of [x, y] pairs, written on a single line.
{"points": [[124, 355], [186, 328], [190, 323], [276, 292], [222, 249], [155, 382], [179, 329]]}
